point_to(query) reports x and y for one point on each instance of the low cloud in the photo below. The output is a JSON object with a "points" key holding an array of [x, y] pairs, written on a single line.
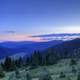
{"points": [[10, 32], [63, 36]]}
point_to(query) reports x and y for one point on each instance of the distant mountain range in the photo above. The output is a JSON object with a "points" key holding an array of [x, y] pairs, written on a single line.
{"points": [[58, 42], [27, 48]]}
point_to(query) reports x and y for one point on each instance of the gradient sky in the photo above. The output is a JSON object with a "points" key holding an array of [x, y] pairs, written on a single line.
{"points": [[32, 17]]}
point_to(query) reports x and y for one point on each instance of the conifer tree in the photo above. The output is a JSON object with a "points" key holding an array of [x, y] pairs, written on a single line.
{"points": [[8, 64], [2, 74], [78, 77]]}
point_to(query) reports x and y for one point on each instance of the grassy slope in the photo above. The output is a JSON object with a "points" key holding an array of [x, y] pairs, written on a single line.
{"points": [[62, 66]]}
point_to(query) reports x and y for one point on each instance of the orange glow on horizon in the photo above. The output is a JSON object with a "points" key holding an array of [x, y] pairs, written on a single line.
{"points": [[19, 38]]}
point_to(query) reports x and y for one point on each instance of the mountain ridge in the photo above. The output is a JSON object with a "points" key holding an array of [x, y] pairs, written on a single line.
{"points": [[27, 48]]}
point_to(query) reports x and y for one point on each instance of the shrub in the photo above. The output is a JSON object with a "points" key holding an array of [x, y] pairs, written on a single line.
{"points": [[62, 75], [17, 73], [78, 77], [45, 75], [73, 62], [28, 76], [2, 74], [74, 69]]}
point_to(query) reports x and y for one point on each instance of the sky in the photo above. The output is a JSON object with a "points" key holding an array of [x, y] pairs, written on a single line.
{"points": [[23, 18]]}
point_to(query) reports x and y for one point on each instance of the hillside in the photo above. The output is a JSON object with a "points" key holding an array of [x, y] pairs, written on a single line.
{"points": [[66, 49], [13, 48]]}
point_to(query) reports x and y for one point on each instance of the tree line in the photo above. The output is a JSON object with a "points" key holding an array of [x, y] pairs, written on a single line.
{"points": [[36, 59]]}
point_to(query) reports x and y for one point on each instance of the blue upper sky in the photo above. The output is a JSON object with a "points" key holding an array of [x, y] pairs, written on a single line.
{"points": [[39, 16]]}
